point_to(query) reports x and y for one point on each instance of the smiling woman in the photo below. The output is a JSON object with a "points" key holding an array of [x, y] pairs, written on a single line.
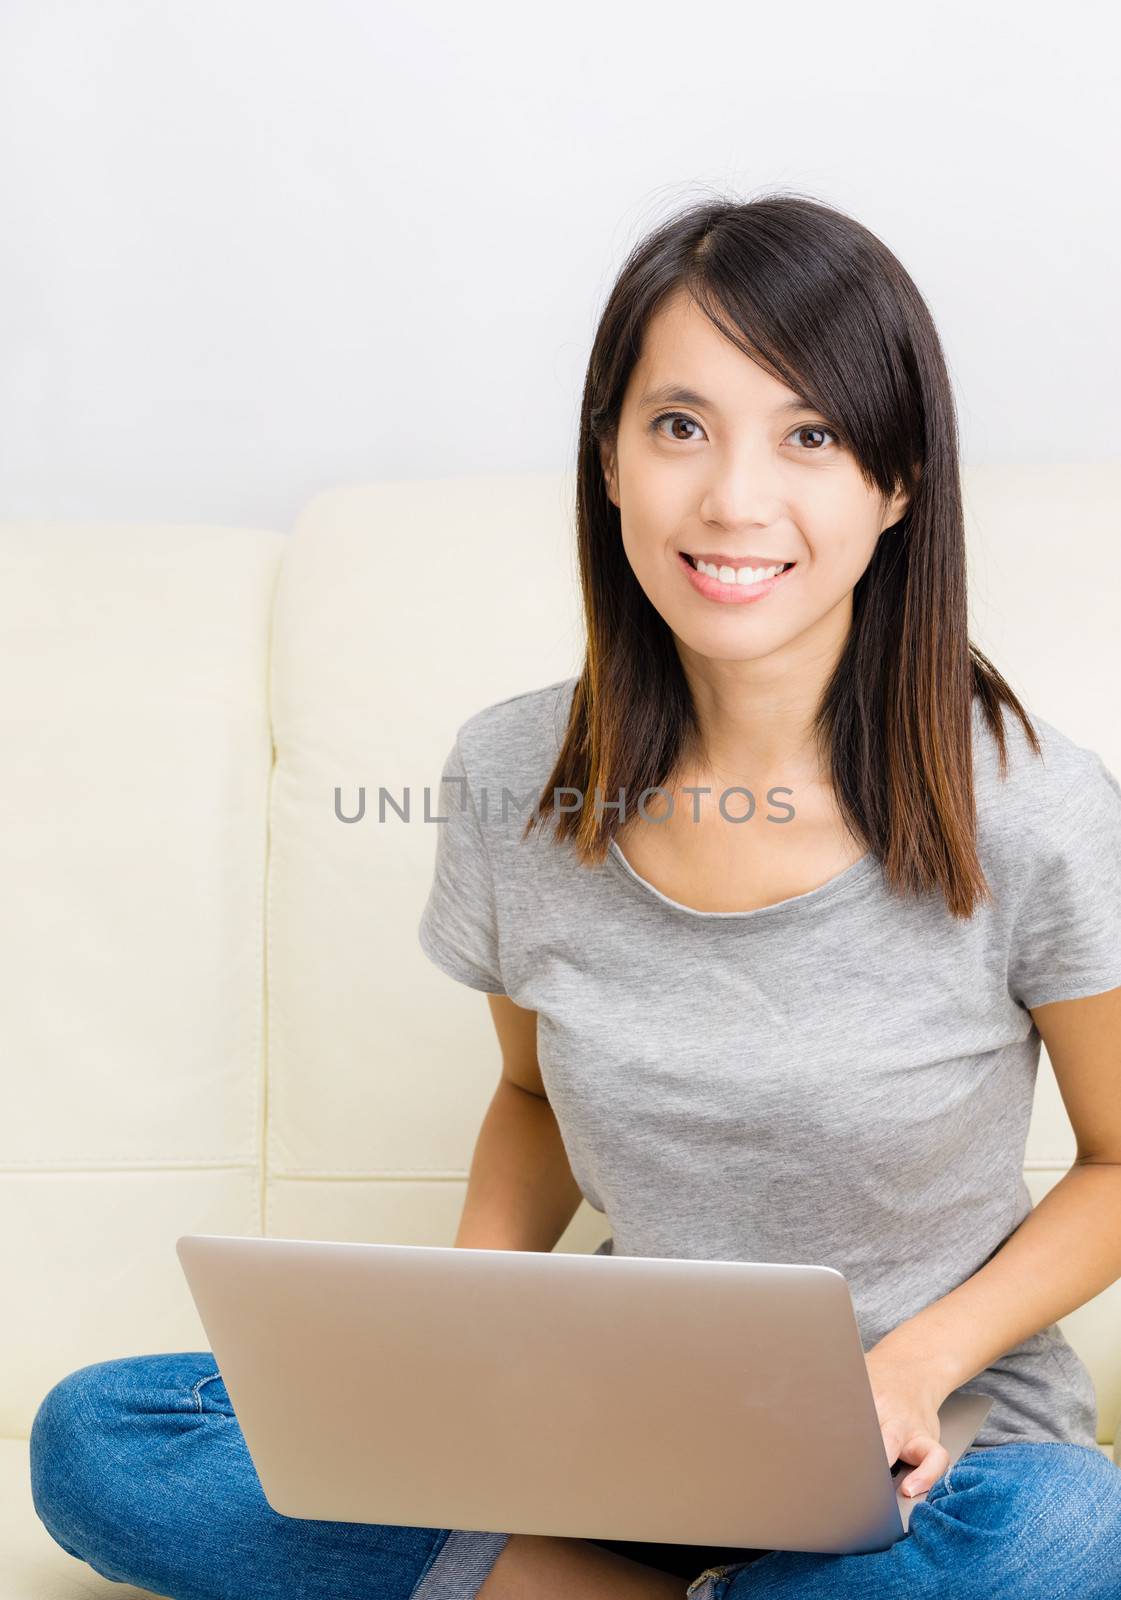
{"points": [[801, 1032], [810, 1036], [816, 433]]}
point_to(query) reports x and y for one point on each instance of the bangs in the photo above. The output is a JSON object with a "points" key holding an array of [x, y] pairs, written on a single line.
{"points": [[823, 330]]}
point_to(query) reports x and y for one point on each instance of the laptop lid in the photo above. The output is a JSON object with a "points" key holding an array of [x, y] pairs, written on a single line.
{"points": [[617, 1397]]}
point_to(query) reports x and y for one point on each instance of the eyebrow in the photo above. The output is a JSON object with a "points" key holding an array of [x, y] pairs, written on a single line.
{"points": [[690, 397]]}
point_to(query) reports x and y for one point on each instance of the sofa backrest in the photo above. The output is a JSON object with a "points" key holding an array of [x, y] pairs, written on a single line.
{"points": [[219, 1019], [136, 759]]}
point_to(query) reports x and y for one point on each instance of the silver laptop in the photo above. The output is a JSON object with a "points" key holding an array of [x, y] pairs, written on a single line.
{"points": [[718, 1403]]}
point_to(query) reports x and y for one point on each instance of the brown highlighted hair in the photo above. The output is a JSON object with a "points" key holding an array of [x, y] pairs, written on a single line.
{"points": [[822, 303]]}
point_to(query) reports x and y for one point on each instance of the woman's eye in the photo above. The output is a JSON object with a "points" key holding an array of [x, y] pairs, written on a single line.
{"points": [[674, 416], [814, 427]]}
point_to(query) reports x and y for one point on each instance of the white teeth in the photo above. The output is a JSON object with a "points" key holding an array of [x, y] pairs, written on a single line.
{"points": [[740, 574]]}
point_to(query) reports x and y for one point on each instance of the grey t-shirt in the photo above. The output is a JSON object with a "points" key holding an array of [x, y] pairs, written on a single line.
{"points": [[845, 1077]]}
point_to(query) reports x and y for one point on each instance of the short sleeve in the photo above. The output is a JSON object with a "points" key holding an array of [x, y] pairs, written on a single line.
{"points": [[458, 928], [1066, 939]]}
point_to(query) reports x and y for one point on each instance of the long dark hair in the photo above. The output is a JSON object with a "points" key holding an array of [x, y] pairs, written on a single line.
{"points": [[819, 301]]}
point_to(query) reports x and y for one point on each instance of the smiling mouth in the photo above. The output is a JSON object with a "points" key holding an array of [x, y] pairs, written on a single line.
{"points": [[784, 566]]}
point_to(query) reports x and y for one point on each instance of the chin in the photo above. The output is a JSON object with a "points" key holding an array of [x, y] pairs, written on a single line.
{"points": [[723, 645]]}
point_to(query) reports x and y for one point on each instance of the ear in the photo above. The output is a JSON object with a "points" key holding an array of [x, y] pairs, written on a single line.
{"points": [[607, 462], [900, 501], [895, 510]]}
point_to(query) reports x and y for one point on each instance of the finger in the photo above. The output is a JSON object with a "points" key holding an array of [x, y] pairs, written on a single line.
{"points": [[893, 1437], [934, 1460]]}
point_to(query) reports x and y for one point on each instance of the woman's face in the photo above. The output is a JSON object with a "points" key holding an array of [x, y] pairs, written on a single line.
{"points": [[743, 475]]}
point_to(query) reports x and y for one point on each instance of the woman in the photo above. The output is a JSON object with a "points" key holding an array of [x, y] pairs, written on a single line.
{"points": [[769, 962]]}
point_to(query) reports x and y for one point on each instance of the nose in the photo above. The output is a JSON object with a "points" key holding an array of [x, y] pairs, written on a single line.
{"points": [[742, 490]]}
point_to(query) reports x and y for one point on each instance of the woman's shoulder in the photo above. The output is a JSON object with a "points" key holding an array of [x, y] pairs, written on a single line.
{"points": [[518, 737], [1036, 794], [1049, 837]]}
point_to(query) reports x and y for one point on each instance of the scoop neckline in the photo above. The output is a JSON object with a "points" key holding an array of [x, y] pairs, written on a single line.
{"points": [[832, 889]]}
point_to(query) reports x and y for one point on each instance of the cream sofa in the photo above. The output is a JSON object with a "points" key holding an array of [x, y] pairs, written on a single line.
{"points": [[217, 1015]]}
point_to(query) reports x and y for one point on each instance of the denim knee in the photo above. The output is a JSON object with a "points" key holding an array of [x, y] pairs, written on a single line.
{"points": [[70, 1468], [54, 1430], [1031, 1519], [55, 1448], [1040, 1519]]}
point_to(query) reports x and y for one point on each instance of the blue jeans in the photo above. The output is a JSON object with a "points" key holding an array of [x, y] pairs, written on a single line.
{"points": [[139, 1469]]}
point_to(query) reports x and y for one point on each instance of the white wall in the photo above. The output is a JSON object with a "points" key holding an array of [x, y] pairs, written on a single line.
{"points": [[254, 248]]}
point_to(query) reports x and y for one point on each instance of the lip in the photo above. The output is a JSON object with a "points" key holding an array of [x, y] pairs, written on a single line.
{"points": [[731, 594]]}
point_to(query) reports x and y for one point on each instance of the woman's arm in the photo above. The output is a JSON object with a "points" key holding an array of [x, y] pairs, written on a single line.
{"points": [[1068, 1248], [521, 1194]]}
